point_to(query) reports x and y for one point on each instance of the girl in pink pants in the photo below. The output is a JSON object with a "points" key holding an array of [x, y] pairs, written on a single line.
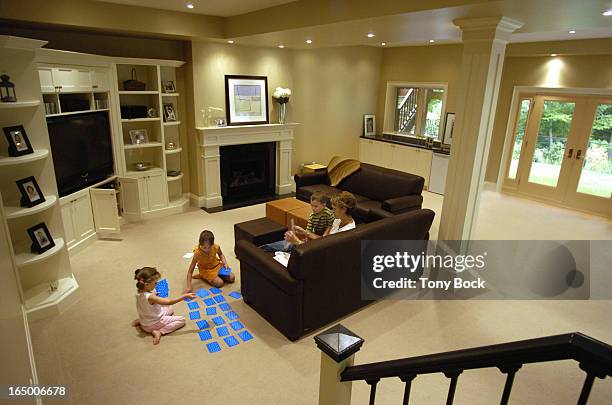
{"points": [[155, 313]]}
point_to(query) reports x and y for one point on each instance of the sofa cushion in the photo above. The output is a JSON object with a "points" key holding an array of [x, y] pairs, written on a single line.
{"points": [[361, 213], [379, 183], [304, 193]]}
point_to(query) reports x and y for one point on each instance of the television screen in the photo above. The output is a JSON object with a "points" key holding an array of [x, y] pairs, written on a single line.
{"points": [[82, 150]]}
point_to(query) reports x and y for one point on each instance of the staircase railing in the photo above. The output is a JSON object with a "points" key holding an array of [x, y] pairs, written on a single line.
{"points": [[594, 358], [407, 111]]}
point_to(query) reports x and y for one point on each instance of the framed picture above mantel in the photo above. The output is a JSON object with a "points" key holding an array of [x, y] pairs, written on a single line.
{"points": [[246, 100]]}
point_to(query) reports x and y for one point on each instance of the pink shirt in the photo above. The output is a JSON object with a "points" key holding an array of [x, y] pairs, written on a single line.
{"points": [[148, 313]]}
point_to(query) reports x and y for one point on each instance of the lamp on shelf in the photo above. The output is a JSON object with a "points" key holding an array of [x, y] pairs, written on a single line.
{"points": [[7, 90]]}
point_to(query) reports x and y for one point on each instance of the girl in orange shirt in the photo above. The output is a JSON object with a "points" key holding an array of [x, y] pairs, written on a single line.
{"points": [[209, 258]]}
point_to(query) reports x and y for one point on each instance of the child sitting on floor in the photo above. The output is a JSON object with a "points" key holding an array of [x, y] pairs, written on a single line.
{"points": [[155, 313], [209, 258]]}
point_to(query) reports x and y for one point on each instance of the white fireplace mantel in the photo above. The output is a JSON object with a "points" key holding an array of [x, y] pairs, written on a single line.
{"points": [[211, 138]]}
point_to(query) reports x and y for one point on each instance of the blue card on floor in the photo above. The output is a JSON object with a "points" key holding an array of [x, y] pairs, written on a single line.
{"points": [[187, 299], [215, 290], [194, 315], [193, 305], [219, 298], [225, 307], [235, 294], [213, 347], [236, 325], [218, 320], [209, 302], [203, 324], [202, 292], [231, 341], [232, 315], [225, 271], [205, 335], [245, 335], [222, 331], [211, 311]]}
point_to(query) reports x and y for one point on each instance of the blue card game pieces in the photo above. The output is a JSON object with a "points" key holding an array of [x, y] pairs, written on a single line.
{"points": [[194, 315], [231, 341], [245, 335], [203, 324], [162, 288], [219, 298], [193, 305], [235, 294], [232, 315], [215, 290], [202, 292], [205, 335], [225, 307], [218, 320], [236, 325], [187, 299], [211, 311], [222, 331], [213, 347], [225, 271], [209, 302]]}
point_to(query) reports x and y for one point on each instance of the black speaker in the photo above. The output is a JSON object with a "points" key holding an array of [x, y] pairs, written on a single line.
{"points": [[133, 111]]}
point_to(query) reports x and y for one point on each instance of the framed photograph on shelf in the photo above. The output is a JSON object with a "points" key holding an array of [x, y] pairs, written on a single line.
{"points": [[169, 113], [139, 136], [168, 86], [449, 125], [369, 125], [31, 194], [246, 100], [41, 238], [18, 142]]}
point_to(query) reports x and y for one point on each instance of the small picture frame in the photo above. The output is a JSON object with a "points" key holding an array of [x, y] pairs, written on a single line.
{"points": [[41, 238], [369, 125], [449, 125], [139, 136], [18, 141], [168, 86], [169, 113], [31, 194]]}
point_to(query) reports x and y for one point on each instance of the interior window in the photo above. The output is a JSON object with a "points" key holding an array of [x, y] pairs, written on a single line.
{"points": [[419, 111]]}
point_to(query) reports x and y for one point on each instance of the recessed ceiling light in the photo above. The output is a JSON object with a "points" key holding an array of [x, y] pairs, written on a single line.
{"points": [[189, 5], [607, 13], [383, 43], [553, 54], [431, 41], [370, 35], [230, 41], [281, 46], [571, 32], [309, 41]]}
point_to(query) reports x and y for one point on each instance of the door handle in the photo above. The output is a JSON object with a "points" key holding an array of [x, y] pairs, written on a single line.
{"points": [[569, 153], [578, 154]]}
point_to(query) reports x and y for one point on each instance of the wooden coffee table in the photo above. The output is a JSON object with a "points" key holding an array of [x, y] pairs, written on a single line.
{"points": [[299, 216], [278, 210]]}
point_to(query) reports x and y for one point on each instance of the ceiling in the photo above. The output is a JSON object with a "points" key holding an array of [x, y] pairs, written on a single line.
{"points": [[221, 8]]}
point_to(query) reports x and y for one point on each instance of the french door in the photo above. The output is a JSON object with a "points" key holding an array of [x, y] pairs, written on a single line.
{"points": [[562, 151]]}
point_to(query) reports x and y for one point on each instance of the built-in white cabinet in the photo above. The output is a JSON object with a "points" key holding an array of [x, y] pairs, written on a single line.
{"points": [[77, 217], [72, 79], [398, 157], [144, 193], [105, 211], [100, 80]]}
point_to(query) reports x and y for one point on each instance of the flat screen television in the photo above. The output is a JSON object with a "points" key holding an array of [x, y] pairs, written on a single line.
{"points": [[82, 150]]}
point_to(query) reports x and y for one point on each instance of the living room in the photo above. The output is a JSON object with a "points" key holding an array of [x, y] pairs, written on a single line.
{"points": [[338, 76]]}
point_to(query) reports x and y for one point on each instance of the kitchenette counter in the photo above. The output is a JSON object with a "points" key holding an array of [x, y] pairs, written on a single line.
{"points": [[407, 140]]}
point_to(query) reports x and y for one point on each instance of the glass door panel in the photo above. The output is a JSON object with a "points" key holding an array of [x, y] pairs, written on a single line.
{"points": [[519, 135], [551, 140]]}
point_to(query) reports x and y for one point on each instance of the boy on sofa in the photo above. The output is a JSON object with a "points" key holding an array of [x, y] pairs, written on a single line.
{"points": [[319, 220]]}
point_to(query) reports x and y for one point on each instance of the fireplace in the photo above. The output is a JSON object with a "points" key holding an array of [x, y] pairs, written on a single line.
{"points": [[247, 172]]}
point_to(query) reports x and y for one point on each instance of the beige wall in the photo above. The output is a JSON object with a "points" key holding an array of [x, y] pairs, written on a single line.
{"points": [[580, 71], [421, 64]]}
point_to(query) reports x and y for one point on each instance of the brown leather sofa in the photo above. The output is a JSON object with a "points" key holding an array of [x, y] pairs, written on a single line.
{"points": [[322, 281], [380, 192]]}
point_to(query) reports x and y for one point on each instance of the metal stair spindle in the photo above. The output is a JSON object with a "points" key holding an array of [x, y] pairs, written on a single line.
{"points": [[511, 371], [586, 389], [372, 384], [407, 379], [453, 375]]}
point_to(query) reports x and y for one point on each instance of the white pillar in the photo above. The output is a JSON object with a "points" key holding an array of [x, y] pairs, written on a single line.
{"points": [[484, 44], [332, 391]]}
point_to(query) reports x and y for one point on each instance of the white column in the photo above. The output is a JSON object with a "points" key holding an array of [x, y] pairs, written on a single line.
{"points": [[484, 44], [284, 180], [332, 391], [211, 165]]}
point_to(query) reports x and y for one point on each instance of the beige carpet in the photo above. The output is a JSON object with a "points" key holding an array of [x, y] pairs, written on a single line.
{"points": [[92, 348]]}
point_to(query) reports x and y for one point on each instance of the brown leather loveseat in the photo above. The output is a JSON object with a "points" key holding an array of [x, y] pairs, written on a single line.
{"points": [[322, 281]]}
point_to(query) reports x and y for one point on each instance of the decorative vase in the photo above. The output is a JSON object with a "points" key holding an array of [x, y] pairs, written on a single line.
{"points": [[282, 113]]}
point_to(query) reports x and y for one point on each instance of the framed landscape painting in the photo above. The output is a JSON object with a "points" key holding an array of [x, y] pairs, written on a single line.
{"points": [[246, 99]]}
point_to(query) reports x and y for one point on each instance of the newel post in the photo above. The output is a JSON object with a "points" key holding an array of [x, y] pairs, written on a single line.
{"points": [[338, 346]]}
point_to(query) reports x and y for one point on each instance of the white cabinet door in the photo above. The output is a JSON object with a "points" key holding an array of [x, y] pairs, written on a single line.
{"points": [[156, 192], [423, 164], [65, 79], [83, 79], [363, 145], [131, 195], [46, 80], [385, 154], [104, 205], [100, 80], [83, 218], [68, 223]]}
